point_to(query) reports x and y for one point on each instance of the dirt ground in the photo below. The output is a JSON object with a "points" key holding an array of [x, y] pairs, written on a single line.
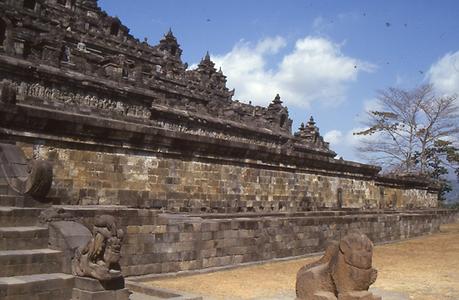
{"points": [[423, 268]]}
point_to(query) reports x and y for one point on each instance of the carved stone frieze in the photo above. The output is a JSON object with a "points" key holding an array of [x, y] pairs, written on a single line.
{"points": [[79, 99], [79, 38]]}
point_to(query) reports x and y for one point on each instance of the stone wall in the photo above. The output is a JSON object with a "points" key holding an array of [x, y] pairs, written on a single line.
{"points": [[163, 243], [91, 177], [126, 123]]}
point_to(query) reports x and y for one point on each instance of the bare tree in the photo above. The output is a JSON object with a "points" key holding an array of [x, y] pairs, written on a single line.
{"points": [[413, 132]]}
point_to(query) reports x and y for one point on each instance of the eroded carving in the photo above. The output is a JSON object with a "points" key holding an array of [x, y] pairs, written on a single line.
{"points": [[344, 272], [7, 92], [39, 179], [81, 100], [26, 177], [84, 40], [100, 258], [55, 214], [310, 135]]}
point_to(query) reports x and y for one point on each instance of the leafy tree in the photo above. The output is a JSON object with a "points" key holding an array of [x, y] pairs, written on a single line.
{"points": [[414, 132]]}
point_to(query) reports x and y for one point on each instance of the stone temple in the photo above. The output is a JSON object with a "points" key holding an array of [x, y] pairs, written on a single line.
{"points": [[95, 122]]}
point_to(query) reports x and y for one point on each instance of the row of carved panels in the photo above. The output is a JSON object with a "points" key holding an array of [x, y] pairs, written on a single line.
{"points": [[119, 109]]}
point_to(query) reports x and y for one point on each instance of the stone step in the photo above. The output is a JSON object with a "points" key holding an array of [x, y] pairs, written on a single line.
{"points": [[6, 190], [23, 238], [139, 296], [54, 286], [18, 216], [9, 200], [20, 201], [142, 291], [29, 262]]}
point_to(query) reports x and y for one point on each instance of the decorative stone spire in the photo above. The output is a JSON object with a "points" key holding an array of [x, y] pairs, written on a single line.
{"points": [[310, 134], [276, 104], [277, 100], [169, 44], [278, 114], [207, 63], [212, 79], [207, 57], [170, 34], [207, 66]]}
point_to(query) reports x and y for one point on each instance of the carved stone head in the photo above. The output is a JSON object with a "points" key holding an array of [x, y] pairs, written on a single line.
{"points": [[352, 267], [357, 249]]}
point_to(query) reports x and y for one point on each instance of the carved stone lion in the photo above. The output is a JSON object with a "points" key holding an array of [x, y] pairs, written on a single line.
{"points": [[99, 259], [344, 272]]}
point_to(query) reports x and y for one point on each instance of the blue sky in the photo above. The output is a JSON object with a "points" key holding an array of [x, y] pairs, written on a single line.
{"points": [[325, 58]]}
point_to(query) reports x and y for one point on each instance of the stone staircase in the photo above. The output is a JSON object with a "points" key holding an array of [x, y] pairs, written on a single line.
{"points": [[29, 270]]}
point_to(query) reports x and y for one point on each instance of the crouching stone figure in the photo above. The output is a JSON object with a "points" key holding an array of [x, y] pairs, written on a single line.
{"points": [[344, 272], [100, 257]]}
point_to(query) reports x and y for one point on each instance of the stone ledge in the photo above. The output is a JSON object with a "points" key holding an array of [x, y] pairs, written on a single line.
{"points": [[159, 293]]}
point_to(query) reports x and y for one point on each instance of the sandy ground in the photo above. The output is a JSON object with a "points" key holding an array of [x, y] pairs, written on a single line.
{"points": [[422, 268]]}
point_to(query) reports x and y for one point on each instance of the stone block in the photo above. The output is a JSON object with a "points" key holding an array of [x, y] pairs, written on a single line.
{"points": [[94, 285], [358, 295], [324, 296], [93, 289], [122, 294]]}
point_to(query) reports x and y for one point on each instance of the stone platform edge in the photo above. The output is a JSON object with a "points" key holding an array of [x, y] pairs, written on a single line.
{"points": [[159, 293], [164, 243]]}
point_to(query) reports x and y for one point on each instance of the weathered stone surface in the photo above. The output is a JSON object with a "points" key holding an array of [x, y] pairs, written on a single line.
{"points": [[28, 262], [99, 258], [158, 242], [32, 178], [122, 294], [23, 238], [360, 295], [37, 287], [345, 270], [126, 123], [323, 296], [161, 182], [95, 285], [7, 92], [68, 236]]}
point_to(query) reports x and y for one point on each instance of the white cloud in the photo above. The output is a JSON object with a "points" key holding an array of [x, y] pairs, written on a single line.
{"points": [[346, 143], [271, 45], [334, 137], [321, 25], [444, 74], [371, 105], [314, 71]]}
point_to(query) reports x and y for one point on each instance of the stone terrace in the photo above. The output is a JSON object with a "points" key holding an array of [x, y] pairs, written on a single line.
{"points": [[107, 124]]}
